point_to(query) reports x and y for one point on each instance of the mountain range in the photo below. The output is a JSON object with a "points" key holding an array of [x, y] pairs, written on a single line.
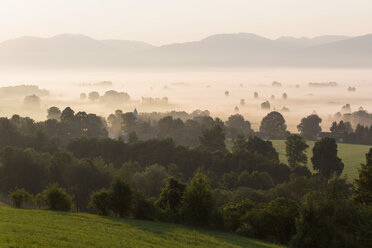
{"points": [[241, 49]]}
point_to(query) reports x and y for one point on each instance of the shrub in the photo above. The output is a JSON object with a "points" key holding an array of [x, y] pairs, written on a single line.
{"points": [[143, 208], [121, 197], [198, 203], [55, 198], [101, 201], [19, 197]]}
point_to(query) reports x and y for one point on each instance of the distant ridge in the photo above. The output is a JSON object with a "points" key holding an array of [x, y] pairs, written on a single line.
{"points": [[240, 49]]}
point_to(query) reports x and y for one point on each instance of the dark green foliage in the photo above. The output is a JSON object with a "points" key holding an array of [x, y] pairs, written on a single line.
{"points": [[236, 125], [310, 127], [82, 179], [364, 182], [171, 195], [275, 222], [256, 180], [20, 197], [229, 180], [198, 203], [233, 214], [263, 147], [273, 126], [325, 159], [121, 197], [143, 208], [295, 151], [101, 201], [56, 198], [151, 180], [25, 169], [213, 139], [330, 223]]}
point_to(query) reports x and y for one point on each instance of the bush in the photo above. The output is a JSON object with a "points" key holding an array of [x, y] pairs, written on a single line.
{"points": [[121, 197], [275, 222], [55, 198], [143, 208], [198, 203], [101, 201], [19, 197]]}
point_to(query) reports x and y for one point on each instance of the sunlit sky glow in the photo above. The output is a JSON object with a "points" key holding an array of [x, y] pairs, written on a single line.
{"points": [[167, 21]]}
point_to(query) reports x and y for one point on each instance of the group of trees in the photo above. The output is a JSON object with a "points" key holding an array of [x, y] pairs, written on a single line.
{"points": [[246, 190]]}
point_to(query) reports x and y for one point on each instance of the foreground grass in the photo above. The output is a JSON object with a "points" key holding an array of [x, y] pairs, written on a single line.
{"points": [[41, 228]]}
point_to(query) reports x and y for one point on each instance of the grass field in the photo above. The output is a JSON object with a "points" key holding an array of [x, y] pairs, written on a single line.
{"points": [[352, 155], [41, 228]]}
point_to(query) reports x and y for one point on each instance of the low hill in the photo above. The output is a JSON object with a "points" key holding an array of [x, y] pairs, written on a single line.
{"points": [[226, 50], [41, 228]]}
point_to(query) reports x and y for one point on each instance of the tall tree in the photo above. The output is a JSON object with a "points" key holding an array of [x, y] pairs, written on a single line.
{"points": [[273, 126], [198, 203], [213, 139], [364, 182], [295, 151], [325, 159], [310, 127]]}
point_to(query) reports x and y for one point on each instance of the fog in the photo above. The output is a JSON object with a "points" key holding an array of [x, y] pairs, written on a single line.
{"points": [[191, 89]]}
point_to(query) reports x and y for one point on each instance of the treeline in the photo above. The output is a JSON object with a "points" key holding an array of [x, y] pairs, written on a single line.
{"points": [[245, 189], [343, 131]]}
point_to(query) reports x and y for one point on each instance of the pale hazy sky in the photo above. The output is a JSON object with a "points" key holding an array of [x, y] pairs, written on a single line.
{"points": [[167, 21]]}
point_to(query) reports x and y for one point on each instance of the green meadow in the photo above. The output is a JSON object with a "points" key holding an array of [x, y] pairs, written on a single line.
{"points": [[352, 156], [42, 228]]}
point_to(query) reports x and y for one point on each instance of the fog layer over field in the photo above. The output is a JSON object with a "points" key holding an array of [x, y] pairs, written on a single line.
{"points": [[191, 89]]}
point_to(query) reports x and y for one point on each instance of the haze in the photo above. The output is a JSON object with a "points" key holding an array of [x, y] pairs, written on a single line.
{"points": [[165, 21], [185, 50]]}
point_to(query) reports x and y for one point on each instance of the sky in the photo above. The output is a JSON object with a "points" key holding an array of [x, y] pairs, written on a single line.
{"points": [[168, 21]]}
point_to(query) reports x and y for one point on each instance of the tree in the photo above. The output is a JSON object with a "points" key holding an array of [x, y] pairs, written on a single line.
{"points": [[101, 201], [129, 122], [238, 126], [295, 151], [198, 203], [56, 198], [19, 197], [263, 147], [325, 159], [364, 182], [213, 139], [276, 221], [93, 96], [310, 127], [121, 197], [23, 168], [68, 114], [54, 113], [171, 195], [273, 126], [150, 181]]}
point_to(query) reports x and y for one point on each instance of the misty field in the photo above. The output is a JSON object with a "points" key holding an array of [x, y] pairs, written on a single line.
{"points": [[352, 156], [39, 228]]}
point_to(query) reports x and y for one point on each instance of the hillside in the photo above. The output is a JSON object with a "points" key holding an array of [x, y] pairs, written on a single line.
{"points": [[239, 49], [40, 228]]}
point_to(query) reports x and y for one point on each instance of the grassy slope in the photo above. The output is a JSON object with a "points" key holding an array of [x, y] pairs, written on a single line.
{"points": [[41, 228], [352, 156]]}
